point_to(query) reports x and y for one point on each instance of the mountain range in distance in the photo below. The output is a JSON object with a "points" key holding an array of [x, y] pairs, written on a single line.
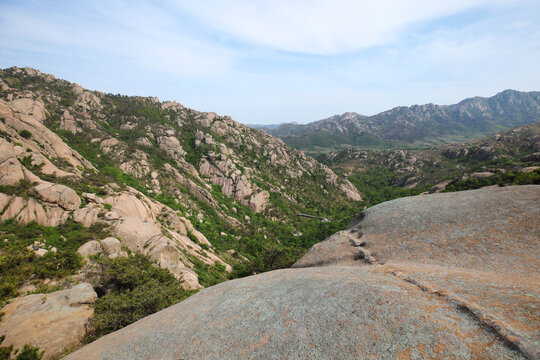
{"points": [[416, 126]]}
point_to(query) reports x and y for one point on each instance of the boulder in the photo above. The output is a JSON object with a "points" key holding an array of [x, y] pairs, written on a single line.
{"points": [[92, 247], [93, 198], [28, 108], [350, 191], [54, 322], [531, 157], [111, 245], [62, 195], [439, 187], [32, 212], [482, 175], [87, 215], [16, 205], [67, 122], [171, 146], [135, 233], [258, 201], [528, 169], [129, 205]]}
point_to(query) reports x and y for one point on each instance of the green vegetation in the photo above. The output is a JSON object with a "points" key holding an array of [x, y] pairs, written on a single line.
{"points": [[26, 353], [19, 189], [138, 288], [376, 187], [25, 134], [501, 179], [20, 264]]}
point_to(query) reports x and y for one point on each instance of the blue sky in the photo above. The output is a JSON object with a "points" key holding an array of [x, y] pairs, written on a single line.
{"points": [[273, 61]]}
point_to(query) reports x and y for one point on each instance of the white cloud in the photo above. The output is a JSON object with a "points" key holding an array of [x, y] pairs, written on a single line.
{"points": [[129, 33], [254, 59], [324, 26]]}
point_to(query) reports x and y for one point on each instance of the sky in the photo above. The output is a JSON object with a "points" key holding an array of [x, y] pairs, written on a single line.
{"points": [[274, 61]]}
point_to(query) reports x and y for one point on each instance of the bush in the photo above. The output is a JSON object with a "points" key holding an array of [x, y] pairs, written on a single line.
{"points": [[139, 288], [25, 134], [27, 353]]}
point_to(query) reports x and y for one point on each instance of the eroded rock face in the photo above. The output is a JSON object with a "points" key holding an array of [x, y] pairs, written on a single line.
{"points": [[11, 170], [62, 195], [26, 113], [408, 279], [54, 322], [316, 313], [489, 229], [479, 249]]}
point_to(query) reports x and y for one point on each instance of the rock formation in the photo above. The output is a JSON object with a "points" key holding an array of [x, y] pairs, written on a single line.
{"points": [[55, 322], [434, 276]]}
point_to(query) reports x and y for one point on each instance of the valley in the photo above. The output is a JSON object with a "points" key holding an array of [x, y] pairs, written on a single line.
{"points": [[117, 207]]}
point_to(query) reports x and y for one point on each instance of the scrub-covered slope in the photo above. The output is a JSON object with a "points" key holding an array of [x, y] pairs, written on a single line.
{"points": [[507, 157], [100, 189], [431, 277], [416, 125], [161, 176]]}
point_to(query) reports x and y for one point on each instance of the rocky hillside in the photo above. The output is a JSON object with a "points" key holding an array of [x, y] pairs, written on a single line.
{"points": [[507, 157], [417, 125], [409, 279], [83, 173]]}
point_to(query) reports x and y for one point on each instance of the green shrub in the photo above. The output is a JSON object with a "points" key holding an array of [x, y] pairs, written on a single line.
{"points": [[18, 189], [139, 288], [19, 264], [27, 353], [25, 134]]}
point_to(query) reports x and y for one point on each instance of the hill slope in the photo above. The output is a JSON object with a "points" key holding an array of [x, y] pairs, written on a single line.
{"points": [[98, 176], [417, 125], [237, 186], [408, 279], [508, 157]]}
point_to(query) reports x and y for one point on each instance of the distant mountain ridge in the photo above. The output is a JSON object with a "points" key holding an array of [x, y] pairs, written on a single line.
{"points": [[417, 125]]}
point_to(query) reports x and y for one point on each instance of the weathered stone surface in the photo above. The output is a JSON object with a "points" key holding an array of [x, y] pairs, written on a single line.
{"points": [[67, 122], [28, 114], [438, 187], [482, 175], [62, 195], [129, 205], [29, 108], [316, 313], [172, 146], [15, 206], [258, 201], [11, 170], [351, 191], [408, 279], [54, 322], [111, 245], [134, 233], [87, 215], [92, 247], [460, 244], [484, 229], [32, 212]]}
